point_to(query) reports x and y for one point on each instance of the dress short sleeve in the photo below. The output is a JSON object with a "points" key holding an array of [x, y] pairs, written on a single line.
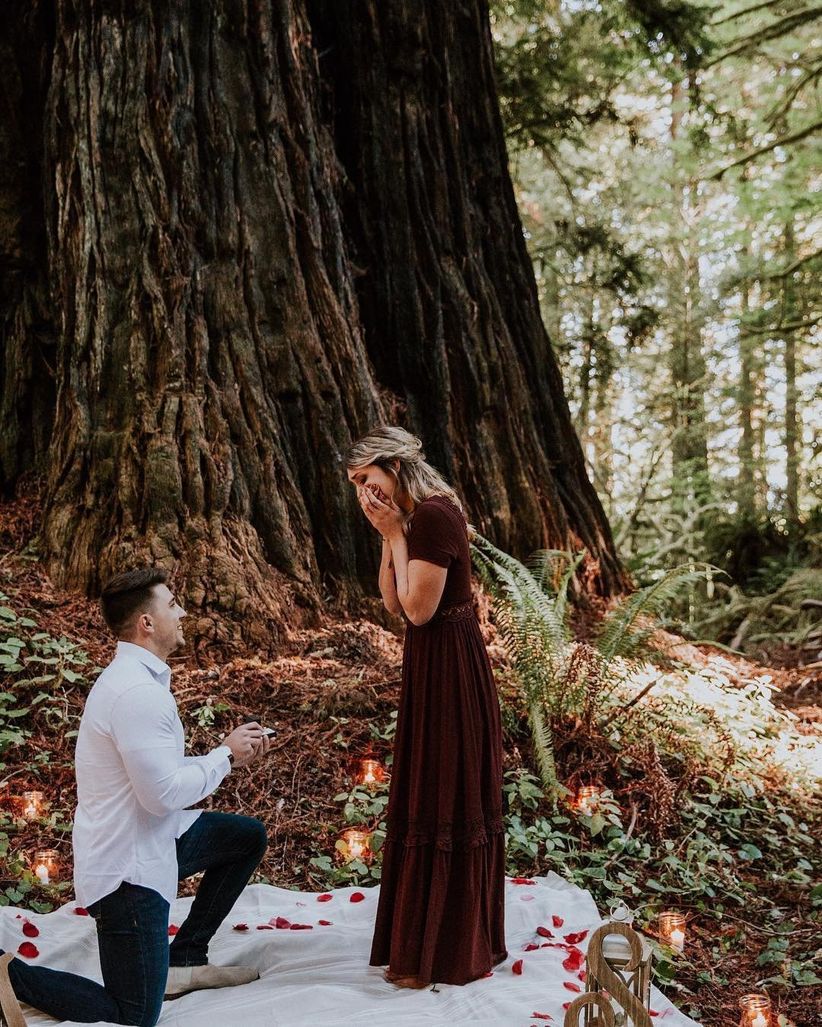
{"points": [[434, 535]]}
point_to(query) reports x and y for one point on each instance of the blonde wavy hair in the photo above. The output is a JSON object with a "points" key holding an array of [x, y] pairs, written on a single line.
{"points": [[414, 476]]}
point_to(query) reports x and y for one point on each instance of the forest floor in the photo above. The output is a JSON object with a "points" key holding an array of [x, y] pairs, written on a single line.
{"points": [[330, 692]]}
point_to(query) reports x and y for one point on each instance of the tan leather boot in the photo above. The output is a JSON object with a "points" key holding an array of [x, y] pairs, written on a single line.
{"points": [[10, 1012]]}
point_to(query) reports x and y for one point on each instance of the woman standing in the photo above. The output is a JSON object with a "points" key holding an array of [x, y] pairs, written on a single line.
{"points": [[441, 909]]}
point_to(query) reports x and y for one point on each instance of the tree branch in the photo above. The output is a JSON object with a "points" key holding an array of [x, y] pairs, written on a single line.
{"points": [[795, 326], [794, 137], [775, 29], [748, 10], [789, 270]]}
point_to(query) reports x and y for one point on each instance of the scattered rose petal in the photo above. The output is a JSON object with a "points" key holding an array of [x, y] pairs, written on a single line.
{"points": [[28, 950], [653, 1012], [264, 927], [542, 1016], [324, 898], [573, 962], [30, 930], [282, 924], [582, 976], [566, 1005], [241, 927], [530, 947], [173, 929], [302, 927], [80, 911], [325, 923], [517, 968], [571, 986], [543, 932], [557, 920], [574, 939], [357, 896], [522, 880]]}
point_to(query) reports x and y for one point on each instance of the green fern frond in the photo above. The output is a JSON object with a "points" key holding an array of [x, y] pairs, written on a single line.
{"points": [[618, 635]]}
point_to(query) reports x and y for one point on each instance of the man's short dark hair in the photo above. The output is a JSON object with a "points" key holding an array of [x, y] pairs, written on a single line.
{"points": [[129, 593]]}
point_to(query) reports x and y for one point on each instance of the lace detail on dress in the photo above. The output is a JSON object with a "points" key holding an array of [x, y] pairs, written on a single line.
{"points": [[450, 614], [447, 837]]}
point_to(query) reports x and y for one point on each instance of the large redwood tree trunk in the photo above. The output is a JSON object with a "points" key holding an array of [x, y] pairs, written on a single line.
{"points": [[268, 224]]}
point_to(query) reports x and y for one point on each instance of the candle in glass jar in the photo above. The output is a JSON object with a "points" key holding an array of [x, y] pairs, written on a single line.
{"points": [[32, 805], [587, 800], [756, 1010], [672, 930], [46, 865], [355, 845], [370, 773]]}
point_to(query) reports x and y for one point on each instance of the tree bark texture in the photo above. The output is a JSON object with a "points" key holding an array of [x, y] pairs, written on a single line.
{"points": [[267, 226]]}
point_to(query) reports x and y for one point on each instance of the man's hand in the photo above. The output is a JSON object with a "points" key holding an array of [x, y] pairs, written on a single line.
{"points": [[247, 742]]}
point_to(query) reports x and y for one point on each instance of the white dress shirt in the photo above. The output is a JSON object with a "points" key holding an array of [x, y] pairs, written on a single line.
{"points": [[134, 781]]}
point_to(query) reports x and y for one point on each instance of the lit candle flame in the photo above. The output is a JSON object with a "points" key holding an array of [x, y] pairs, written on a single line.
{"points": [[672, 930], [32, 805], [756, 1010], [41, 872]]}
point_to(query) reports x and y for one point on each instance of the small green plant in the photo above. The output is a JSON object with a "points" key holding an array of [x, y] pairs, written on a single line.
{"points": [[362, 808], [561, 678]]}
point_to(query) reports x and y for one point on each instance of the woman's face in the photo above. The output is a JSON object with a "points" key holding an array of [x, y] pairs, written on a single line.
{"points": [[372, 475]]}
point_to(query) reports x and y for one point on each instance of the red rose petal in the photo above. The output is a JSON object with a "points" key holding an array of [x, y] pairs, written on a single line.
{"points": [[241, 927], [173, 929], [28, 950], [653, 1012], [573, 962], [573, 939], [530, 947], [264, 927], [302, 927], [324, 898], [557, 920], [541, 1016], [522, 880], [571, 986], [517, 968], [566, 1005], [543, 932], [80, 911], [325, 923], [357, 896], [582, 975], [30, 930], [282, 924]]}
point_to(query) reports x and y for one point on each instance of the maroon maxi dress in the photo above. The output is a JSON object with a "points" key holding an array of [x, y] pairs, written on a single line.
{"points": [[441, 907]]}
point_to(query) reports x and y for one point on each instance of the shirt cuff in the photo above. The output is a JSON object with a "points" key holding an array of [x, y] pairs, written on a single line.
{"points": [[224, 753]]}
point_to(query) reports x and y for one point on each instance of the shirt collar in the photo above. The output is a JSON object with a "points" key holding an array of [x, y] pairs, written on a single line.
{"points": [[158, 667]]}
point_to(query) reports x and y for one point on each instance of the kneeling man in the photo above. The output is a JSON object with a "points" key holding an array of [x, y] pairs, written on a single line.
{"points": [[134, 836]]}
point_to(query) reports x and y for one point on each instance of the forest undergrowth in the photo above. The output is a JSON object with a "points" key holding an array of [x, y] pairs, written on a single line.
{"points": [[703, 764]]}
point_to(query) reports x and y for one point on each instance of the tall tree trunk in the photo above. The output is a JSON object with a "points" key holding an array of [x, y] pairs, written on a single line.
{"points": [[269, 226], [28, 335], [746, 487], [793, 430], [687, 363]]}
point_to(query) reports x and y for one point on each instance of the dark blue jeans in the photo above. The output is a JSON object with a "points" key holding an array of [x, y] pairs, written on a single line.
{"points": [[132, 930]]}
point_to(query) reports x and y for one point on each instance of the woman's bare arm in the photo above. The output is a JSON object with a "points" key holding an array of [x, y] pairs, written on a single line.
{"points": [[388, 581], [419, 584]]}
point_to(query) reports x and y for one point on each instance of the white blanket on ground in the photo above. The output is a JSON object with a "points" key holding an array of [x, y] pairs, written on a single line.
{"points": [[321, 976]]}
